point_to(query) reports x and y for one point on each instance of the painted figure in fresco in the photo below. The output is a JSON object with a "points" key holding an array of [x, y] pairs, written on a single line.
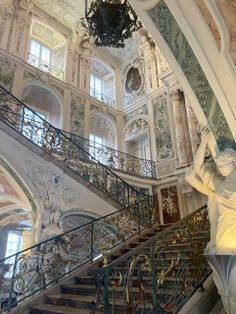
{"points": [[133, 80], [220, 187]]}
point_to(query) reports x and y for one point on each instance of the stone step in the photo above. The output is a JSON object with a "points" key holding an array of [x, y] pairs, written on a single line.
{"points": [[90, 290], [72, 300], [81, 302], [56, 309], [81, 289]]}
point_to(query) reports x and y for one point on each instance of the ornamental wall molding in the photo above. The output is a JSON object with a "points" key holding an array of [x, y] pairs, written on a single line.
{"points": [[133, 81], [135, 127], [102, 125], [50, 189]]}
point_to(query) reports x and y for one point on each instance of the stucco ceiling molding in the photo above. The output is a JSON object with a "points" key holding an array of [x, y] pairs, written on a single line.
{"points": [[224, 34]]}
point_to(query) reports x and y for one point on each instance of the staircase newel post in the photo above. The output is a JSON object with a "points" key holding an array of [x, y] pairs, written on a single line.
{"points": [[106, 291]]}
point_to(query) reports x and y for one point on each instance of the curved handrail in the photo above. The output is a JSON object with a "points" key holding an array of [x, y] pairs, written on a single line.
{"points": [[164, 271], [116, 159], [55, 142], [33, 269]]}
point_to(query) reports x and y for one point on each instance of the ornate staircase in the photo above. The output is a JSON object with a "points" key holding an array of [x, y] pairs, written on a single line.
{"points": [[156, 272], [66, 150], [153, 271]]}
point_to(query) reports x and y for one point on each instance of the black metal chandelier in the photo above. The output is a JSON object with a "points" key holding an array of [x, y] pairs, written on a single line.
{"points": [[110, 22]]}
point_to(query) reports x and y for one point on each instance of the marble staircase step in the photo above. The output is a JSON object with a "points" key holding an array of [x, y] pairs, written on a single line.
{"points": [[55, 309], [71, 300]]}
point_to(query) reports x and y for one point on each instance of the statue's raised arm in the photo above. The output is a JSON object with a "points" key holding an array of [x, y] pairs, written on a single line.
{"points": [[220, 187]]}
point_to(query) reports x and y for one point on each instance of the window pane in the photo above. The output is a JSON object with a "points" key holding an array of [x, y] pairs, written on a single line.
{"points": [[35, 48], [95, 86], [45, 54], [98, 140], [14, 242]]}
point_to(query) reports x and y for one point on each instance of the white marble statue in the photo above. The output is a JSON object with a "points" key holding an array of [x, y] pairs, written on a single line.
{"points": [[220, 186]]}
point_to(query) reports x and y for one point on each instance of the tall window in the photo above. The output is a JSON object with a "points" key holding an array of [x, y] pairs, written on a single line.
{"points": [[95, 87], [14, 243], [96, 139], [33, 125], [41, 52], [96, 149], [47, 49]]}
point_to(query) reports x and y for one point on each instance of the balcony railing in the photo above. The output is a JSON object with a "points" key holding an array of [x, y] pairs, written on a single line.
{"points": [[45, 67], [116, 159], [100, 96], [62, 147]]}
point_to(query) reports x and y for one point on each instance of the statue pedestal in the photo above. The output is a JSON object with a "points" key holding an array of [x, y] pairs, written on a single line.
{"points": [[224, 275]]}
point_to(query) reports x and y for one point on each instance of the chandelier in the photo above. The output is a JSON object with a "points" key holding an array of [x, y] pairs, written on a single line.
{"points": [[110, 22]]}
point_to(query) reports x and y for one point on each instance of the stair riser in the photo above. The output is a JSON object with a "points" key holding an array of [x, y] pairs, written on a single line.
{"points": [[119, 309], [119, 293], [79, 291], [71, 303]]}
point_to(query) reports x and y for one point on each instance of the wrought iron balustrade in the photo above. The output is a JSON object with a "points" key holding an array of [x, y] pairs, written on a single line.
{"points": [[100, 96], [116, 159], [45, 67], [35, 268], [58, 144], [160, 275]]}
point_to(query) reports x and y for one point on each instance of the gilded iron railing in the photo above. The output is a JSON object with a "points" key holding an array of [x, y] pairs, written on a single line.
{"points": [[160, 275], [35, 268], [61, 146], [116, 159], [100, 96], [45, 67]]}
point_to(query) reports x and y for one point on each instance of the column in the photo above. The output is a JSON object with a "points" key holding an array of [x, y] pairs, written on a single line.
{"points": [[184, 154], [192, 123]]}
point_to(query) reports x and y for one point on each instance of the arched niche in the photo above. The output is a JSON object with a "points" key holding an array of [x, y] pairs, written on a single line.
{"points": [[77, 217], [102, 130], [44, 101], [102, 82], [17, 212], [137, 138]]}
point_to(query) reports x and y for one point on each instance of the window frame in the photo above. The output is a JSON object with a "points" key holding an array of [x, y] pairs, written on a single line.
{"points": [[93, 91], [42, 46]]}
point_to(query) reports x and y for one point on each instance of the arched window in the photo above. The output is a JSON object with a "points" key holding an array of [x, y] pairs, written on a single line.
{"points": [[44, 102], [102, 83], [136, 138], [47, 49]]}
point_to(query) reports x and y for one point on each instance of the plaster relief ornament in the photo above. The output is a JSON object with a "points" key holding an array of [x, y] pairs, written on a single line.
{"points": [[219, 185], [169, 204], [136, 127], [54, 196]]}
